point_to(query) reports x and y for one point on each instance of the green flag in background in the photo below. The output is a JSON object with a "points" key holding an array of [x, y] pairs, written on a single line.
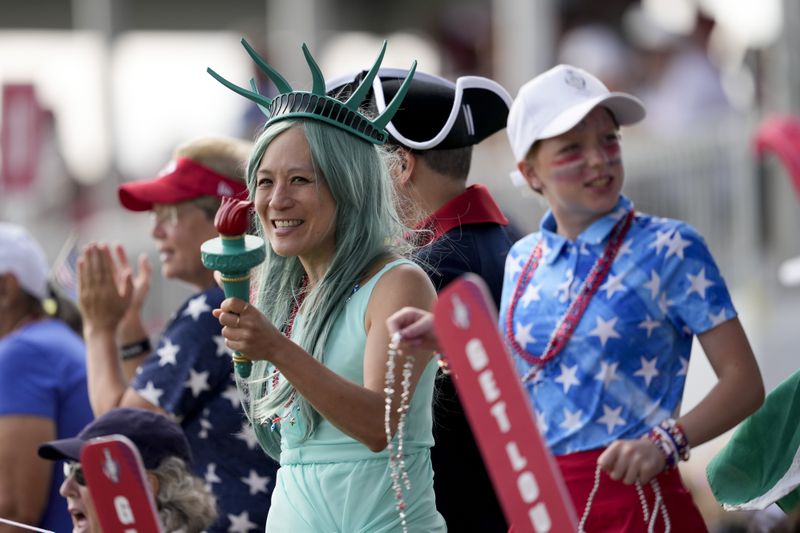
{"points": [[761, 463]]}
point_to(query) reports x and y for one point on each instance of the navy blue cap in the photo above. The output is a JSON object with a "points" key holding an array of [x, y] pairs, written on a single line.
{"points": [[156, 436]]}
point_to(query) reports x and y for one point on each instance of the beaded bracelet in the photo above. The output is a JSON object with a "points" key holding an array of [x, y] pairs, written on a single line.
{"points": [[671, 440], [135, 349], [664, 445], [678, 436]]}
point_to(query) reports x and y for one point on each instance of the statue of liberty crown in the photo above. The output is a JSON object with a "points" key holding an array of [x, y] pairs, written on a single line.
{"points": [[316, 104]]}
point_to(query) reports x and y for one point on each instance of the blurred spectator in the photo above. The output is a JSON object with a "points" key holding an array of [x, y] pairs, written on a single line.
{"points": [[57, 303], [682, 88], [183, 502], [42, 384], [253, 119], [189, 375], [601, 51], [463, 33]]}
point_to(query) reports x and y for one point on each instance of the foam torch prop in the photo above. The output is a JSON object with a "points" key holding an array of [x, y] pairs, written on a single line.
{"points": [[233, 254]]}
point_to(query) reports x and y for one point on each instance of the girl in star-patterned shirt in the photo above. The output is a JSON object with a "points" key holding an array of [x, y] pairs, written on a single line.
{"points": [[599, 310]]}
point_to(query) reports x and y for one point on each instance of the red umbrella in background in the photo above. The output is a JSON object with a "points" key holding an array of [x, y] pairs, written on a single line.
{"points": [[780, 134]]}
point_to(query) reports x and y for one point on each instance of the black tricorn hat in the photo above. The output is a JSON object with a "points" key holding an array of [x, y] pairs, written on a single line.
{"points": [[436, 113]]}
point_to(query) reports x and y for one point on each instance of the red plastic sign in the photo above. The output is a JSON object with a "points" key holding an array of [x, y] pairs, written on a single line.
{"points": [[117, 481], [20, 136], [524, 474]]}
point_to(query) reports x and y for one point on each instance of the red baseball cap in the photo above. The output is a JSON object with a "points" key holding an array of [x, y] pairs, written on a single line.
{"points": [[182, 180]]}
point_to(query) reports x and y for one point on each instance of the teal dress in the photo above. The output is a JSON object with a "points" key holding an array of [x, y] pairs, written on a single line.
{"points": [[331, 482]]}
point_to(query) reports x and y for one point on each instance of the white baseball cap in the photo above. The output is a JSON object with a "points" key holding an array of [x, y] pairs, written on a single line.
{"points": [[22, 256], [555, 101]]}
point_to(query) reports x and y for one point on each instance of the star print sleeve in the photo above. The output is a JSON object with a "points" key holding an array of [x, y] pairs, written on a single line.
{"points": [[510, 274], [694, 292], [515, 260], [190, 363]]}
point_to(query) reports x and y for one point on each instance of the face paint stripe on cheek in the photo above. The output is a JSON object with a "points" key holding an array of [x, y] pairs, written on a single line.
{"points": [[612, 152], [568, 167], [567, 159]]}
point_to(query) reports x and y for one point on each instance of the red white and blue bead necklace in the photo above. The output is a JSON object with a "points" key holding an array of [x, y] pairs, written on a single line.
{"points": [[566, 326]]}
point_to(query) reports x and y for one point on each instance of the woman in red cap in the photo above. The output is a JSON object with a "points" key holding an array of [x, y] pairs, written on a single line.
{"points": [[188, 375]]}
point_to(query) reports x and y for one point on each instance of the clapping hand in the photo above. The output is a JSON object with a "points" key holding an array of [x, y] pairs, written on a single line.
{"points": [[105, 289]]}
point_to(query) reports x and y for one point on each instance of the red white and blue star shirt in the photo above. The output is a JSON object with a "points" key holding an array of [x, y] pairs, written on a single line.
{"points": [[624, 368], [190, 375]]}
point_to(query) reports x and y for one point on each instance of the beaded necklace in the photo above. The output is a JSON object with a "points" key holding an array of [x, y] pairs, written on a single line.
{"points": [[287, 329], [650, 519], [567, 324], [397, 462], [275, 420]]}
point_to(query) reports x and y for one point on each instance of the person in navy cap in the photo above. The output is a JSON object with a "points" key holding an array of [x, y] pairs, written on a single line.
{"points": [[189, 373], [182, 499], [462, 230]]}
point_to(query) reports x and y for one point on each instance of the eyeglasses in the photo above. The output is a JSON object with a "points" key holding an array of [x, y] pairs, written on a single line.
{"points": [[164, 215], [74, 468], [169, 214]]}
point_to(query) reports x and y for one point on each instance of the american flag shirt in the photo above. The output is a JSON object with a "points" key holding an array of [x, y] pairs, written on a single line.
{"points": [[190, 375], [624, 368]]}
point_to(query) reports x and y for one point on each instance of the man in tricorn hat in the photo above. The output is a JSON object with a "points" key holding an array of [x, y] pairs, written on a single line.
{"points": [[463, 230]]}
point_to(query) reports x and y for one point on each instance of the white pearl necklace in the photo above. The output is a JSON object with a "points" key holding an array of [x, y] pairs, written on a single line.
{"points": [[650, 520], [397, 463]]}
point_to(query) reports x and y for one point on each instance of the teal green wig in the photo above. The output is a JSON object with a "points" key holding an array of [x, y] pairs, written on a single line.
{"points": [[367, 227]]}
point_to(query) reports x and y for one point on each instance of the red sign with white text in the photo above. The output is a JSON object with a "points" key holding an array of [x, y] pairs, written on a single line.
{"points": [[117, 481], [524, 474]]}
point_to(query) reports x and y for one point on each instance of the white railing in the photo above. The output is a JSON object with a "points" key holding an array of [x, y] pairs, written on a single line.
{"points": [[709, 180]]}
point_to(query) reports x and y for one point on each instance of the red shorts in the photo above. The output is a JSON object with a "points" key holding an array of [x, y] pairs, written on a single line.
{"points": [[616, 507]]}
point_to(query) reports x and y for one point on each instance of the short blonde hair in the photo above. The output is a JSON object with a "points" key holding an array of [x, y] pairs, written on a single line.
{"points": [[184, 502], [223, 155]]}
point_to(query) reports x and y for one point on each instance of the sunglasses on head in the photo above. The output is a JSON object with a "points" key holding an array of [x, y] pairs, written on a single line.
{"points": [[74, 468]]}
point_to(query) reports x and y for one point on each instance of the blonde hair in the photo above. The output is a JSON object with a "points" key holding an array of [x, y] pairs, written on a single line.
{"points": [[184, 503], [223, 155]]}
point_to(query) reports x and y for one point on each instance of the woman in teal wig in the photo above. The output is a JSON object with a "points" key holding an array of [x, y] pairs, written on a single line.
{"points": [[318, 338]]}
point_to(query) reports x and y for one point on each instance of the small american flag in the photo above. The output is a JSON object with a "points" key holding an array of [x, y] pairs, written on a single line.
{"points": [[64, 274]]}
